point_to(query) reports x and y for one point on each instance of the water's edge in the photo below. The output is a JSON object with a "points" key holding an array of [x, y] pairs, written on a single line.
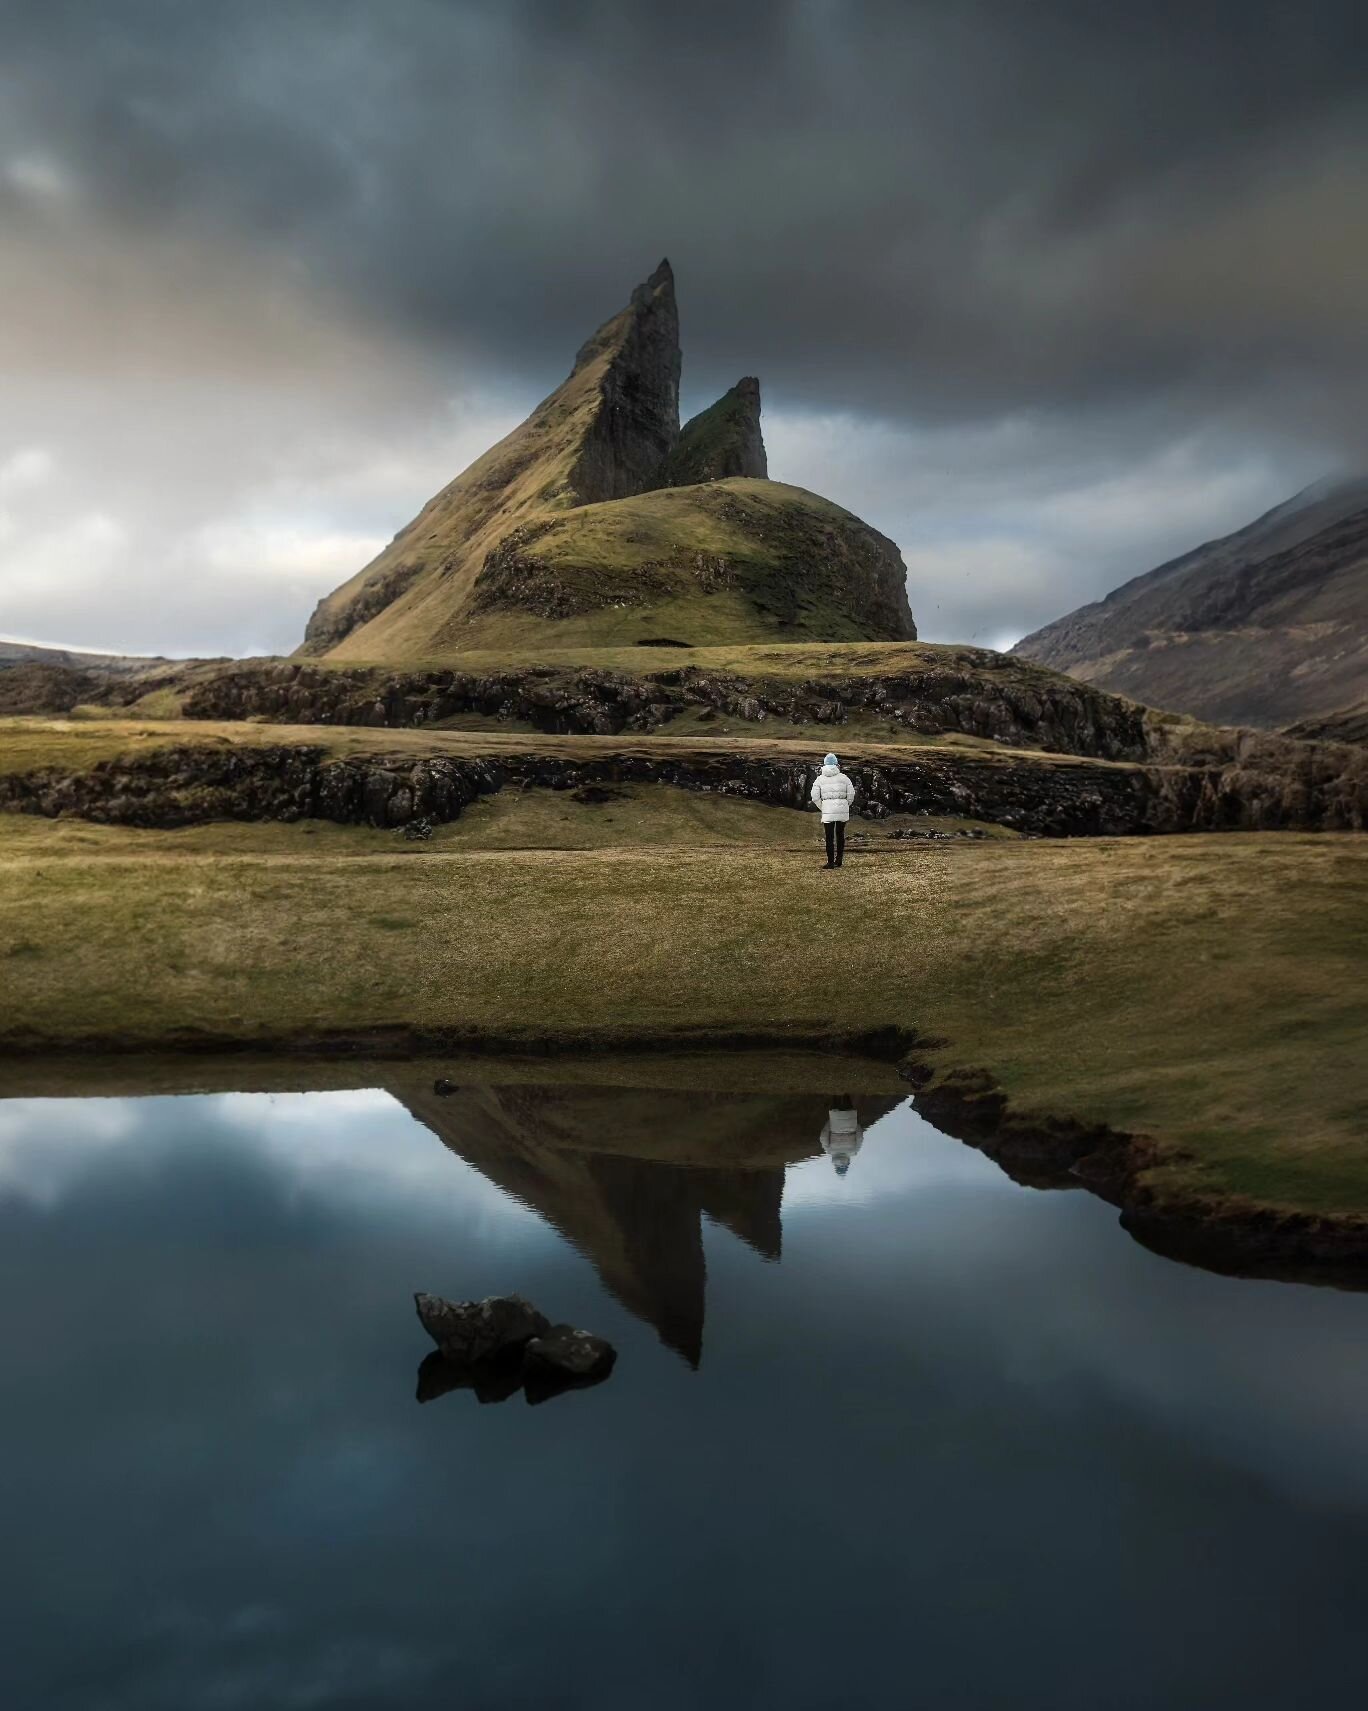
{"points": [[1038, 1152]]}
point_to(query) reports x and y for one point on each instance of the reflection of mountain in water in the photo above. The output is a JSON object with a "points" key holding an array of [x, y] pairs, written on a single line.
{"points": [[626, 1174]]}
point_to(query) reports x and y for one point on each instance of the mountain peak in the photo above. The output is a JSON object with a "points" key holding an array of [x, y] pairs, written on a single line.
{"points": [[721, 442], [592, 519], [663, 276]]}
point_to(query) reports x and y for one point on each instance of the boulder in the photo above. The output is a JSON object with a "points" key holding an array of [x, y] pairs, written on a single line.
{"points": [[503, 1344], [565, 1359], [469, 1332]]}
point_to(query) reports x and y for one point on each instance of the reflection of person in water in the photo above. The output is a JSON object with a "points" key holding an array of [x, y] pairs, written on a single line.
{"points": [[842, 1136]]}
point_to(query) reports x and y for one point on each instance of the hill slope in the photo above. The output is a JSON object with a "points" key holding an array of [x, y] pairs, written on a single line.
{"points": [[575, 530], [1262, 627]]}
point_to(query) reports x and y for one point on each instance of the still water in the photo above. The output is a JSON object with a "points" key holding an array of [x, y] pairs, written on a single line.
{"points": [[907, 1436]]}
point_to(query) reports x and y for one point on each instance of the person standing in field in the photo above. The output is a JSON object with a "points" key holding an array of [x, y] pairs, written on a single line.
{"points": [[833, 793]]}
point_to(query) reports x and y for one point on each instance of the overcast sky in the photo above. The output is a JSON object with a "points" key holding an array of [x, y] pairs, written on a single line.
{"points": [[1046, 292]]}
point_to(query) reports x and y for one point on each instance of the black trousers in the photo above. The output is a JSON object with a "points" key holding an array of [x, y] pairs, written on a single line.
{"points": [[835, 840]]}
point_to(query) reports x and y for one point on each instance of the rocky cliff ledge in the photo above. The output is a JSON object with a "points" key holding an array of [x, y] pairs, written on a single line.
{"points": [[961, 690], [191, 783]]}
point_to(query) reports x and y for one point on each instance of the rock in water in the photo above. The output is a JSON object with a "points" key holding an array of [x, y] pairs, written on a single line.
{"points": [[565, 1359], [503, 1344], [470, 1332]]}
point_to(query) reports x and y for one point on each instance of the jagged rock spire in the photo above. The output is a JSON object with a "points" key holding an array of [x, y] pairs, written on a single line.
{"points": [[722, 441], [634, 360], [604, 433]]}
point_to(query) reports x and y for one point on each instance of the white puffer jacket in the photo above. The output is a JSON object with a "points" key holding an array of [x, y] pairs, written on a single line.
{"points": [[833, 793], [842, 1133]]}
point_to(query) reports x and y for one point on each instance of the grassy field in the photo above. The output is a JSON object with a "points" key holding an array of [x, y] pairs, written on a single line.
{"points": [[1208, 992], [645, 815]]}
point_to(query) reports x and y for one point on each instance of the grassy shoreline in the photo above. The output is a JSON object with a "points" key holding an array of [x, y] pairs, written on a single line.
{"points": [[1205, 993]]}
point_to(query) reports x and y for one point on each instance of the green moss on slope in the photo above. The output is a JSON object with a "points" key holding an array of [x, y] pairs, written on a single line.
{"points": [[729, 561]]}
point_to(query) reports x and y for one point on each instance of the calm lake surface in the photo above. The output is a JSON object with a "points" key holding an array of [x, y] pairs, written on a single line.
{"points": [[911, 1436]]}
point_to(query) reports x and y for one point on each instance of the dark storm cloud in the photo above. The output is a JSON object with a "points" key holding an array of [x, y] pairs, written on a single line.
{"points": [[914, 208], [1136, 228]]}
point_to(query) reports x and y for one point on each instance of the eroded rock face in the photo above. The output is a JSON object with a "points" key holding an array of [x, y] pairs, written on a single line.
{"points": [[603, 434], [1259, 786], [635, 428], [1058, 715]]}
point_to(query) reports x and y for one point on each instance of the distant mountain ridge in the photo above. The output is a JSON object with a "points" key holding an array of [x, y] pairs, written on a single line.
{"points": [[597, 522], [32, 653], [36, 679], [1265, 626]]}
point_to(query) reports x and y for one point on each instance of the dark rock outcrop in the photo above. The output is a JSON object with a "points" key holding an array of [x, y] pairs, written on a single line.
{"points": [[722, 441], [636, 425], [501, 1345], [1254, 786], [971, 691], [467, 1332], [565, 1359]]}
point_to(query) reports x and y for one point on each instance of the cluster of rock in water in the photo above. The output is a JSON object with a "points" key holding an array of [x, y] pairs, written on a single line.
{"points": [[503, 1344]]}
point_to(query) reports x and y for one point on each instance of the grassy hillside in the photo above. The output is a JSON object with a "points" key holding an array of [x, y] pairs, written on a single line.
{"points": [[582, 443], [726, 562], [1344, 725]]}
